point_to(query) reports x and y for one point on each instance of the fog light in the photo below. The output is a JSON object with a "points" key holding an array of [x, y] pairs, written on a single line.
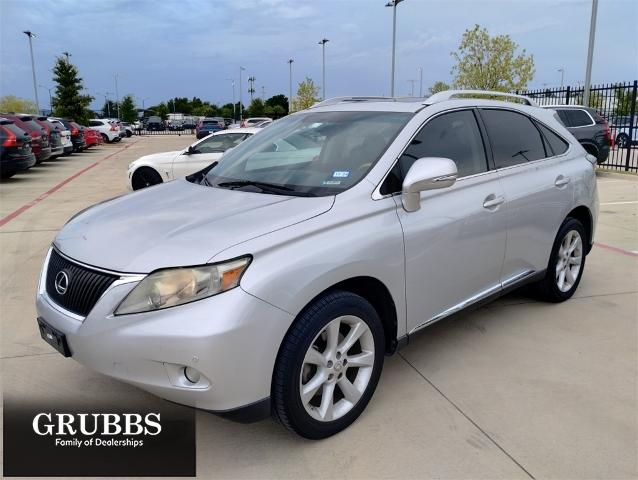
{"points": [[191, 374]]}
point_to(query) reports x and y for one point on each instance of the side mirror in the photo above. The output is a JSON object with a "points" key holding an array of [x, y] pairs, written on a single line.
{"points": [[191, 150], [429, 173]]}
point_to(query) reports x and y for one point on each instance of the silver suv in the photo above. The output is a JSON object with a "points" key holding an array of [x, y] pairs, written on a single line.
{"points": [[276, 280]]}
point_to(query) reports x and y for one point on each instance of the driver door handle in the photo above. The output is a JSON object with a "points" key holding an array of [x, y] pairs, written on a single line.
{"points": [[561, 181], [492, 201]]}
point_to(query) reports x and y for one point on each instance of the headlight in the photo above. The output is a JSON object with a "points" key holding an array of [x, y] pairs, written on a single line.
{"points": [[176, 286]]}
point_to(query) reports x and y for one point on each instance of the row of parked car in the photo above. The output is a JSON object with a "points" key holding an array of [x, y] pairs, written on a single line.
{"points": [[27, 140], [209, 125]]}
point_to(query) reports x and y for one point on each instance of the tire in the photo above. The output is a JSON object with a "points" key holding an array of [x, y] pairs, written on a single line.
{"points": [[129, 134], [556, 286], [6, 175], [145, 177], [622, 140], [105, 137], [328, 375]]}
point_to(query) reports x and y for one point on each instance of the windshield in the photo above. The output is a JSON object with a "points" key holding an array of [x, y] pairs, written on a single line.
{"points": [[313, 153]]}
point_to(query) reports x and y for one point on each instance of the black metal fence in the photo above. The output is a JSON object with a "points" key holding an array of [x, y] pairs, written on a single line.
{"points": [[167, 131], [617, 104]]}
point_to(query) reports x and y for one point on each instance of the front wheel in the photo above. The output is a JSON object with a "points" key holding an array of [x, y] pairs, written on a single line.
{"points": [[328, 365], [145, 177], [566, 263]]}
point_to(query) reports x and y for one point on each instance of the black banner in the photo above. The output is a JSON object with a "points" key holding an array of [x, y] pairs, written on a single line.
{"points": [[74, 441]]}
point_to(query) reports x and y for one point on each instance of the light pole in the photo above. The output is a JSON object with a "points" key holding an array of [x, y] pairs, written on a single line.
{"points": [[393, 4], [323, 42], [290, 62], [411, 82], [241, 116], [106, 101], [50, 101], [117, 97], [420, 82], [144, 100], [233, 82], [35, 83], [562, 76], [590, 51], [251, 89]]}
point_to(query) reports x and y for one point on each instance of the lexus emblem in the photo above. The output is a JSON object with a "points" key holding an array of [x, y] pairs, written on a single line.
{"points": [[61, 282]]}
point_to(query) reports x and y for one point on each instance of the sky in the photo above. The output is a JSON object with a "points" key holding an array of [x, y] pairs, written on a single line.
{"points": [[165, 48]]}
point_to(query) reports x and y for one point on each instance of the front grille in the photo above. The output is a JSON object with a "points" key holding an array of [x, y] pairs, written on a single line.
{"points": [[84, 286]]}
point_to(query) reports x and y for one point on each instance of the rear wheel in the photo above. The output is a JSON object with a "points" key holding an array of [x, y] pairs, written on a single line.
{"points": [[328, 365], [145, 177], [566, 263], [104, 137]]}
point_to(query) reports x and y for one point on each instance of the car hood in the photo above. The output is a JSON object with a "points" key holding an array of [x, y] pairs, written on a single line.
{"points": [[177, 223], [161, 156]]}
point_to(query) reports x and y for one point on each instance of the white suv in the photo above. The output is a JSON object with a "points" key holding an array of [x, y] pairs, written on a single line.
{"points": [[279, 279], [109, 131]]}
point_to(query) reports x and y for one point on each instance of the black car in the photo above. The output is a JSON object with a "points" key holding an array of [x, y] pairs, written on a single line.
{"points": [[77, 136], [55, 137], [588, 127], [155, 123], [15, 149]]}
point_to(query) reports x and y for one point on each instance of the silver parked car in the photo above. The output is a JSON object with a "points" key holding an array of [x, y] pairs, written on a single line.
{"points": [[277, 280]]}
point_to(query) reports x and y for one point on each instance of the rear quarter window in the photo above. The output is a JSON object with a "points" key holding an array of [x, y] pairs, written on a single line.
{"points": [[578, 118], [557, 145]]}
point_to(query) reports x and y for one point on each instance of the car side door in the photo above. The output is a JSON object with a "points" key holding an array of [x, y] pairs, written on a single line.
{"points": [[538, 186], [205, 152], [454, 244]]}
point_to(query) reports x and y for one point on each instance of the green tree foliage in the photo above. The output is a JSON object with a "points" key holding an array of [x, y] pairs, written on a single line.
{"points": [[275, 112], [180, 105], [307, 95], [439, 86], [491, 63], [109, 110], [68, 101], [127, 109], [278, 100], [623, 100], [257, 108], [162, 111], [11, 103]]}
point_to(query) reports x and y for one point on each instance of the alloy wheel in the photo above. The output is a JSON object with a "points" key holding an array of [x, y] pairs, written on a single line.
{"points": [[570, 258], [337, 368]]}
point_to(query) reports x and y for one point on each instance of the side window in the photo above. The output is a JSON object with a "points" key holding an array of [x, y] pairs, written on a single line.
{"points": [[453, 135], [513, 137], [94, 123], [220, 143], [578, 118], [556, 143], [563, 117]]}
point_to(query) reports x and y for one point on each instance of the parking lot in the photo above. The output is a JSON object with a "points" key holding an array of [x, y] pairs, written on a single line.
{"points": [[516, 389]]}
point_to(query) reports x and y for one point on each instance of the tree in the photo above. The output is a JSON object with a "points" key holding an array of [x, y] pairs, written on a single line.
{"points": [[439, 86], [68, 101], [307, 94], [109, 109], [11, 103], [257, 108], [162, 111], [280, 100], [127, 109], [491, 63], [623, 100]]}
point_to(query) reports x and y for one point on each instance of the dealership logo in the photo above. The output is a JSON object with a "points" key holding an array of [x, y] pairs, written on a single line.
{"points": [[88, 424], [61, 282]]}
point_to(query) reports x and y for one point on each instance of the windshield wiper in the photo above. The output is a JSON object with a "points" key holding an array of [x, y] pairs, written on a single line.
{"points": [[262, 185]]}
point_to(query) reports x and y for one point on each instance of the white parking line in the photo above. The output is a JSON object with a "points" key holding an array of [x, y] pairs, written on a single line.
{"points": [[620, 203]]}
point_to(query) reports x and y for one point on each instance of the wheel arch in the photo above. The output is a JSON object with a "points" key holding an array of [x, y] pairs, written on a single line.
{"points": [[584, 216], [147, 166], [378, 295]]}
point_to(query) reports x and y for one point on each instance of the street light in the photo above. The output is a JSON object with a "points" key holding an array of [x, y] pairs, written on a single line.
{"points": [[241, 115], [117, 97], [590, 51], [420, 82], [393, 4], [50, 101], [106, 102], [35, 83], [411, 82], [562, 76], [144, 100], [233, 82], [290, 97], [323, 42]]}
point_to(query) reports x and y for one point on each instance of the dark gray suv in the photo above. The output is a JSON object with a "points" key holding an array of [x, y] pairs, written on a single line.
{"points": [[589, 128]]}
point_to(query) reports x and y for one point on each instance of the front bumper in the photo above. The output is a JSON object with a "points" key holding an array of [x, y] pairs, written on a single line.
{"points": [[232, 339]]}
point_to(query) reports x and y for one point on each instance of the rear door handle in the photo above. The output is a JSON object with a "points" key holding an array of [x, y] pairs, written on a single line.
{"points": [[561, 181], [492, 201]]}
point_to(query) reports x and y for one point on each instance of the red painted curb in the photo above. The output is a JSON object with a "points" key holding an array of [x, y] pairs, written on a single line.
{"points": [[32, 203], [622, 251]]}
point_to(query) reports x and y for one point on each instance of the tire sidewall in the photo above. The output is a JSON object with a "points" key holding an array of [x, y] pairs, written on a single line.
{"points": [[567, 226], [309, 324]]}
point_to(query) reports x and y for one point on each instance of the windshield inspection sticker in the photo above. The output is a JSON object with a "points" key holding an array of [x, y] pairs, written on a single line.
{"points": [[341, 174], [331, 182]]}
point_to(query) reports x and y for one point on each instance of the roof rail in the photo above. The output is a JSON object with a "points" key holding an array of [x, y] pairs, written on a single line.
{"points": [[337, 100], [450, 94]]}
